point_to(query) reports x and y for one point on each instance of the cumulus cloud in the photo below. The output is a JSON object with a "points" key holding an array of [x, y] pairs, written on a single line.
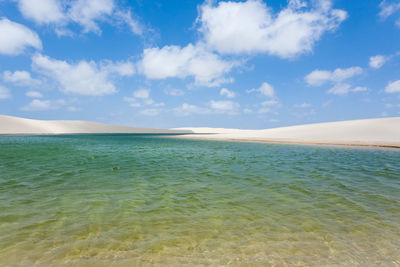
{"points": [[34, 94], [122, 68], [15, 38], [393, 87], [265, 89], [224, 107], [85, 13], [337, 78], [268, 103], [266, 106], [252, 27], [42, 12], [212, 107], [4, 92], [142, 93], [187, 109], [141, 98], [21, 78], [82, 78], [42, 105], [389, 8], [377, 61], [344, 89], [340, 89], [320, 77], [180, 62], [227, 93]]}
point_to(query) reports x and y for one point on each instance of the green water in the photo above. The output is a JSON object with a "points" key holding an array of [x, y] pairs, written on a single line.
{"points": [[125, 200]]}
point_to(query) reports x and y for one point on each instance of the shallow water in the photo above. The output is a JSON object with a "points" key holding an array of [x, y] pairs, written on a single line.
{"points": [[141, 199]]}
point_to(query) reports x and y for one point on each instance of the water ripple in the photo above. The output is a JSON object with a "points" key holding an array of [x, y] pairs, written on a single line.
{"points": [[147, 200]]}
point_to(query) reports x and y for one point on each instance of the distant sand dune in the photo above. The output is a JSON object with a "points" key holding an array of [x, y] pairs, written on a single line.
{"points": [[371, 132], [15, 125]]}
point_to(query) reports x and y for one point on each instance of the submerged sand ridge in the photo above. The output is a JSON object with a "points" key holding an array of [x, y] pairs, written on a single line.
{"points": [[370, 132], [15, 125]]}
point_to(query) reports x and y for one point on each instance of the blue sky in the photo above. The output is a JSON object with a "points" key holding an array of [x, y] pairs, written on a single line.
{"points": [[243, 64]]}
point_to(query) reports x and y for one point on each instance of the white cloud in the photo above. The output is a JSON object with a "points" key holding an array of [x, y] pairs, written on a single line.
{"points": [[377, 61], [87, 12], [133, 102], [251, 26], [82, 78], [174, 92], [393, 87], [227, 93], [340, 89], [320, 77], [42, 12], [266, 106], [142, 93], [265, 89], [4, 92], [224, 106], [141, 98], [176, 62], [388, 9], [303, 105], [33, 94], [42, 105], [20, 78], [188, 109], [268, 103], [15, 38], [38, 105], [337, 78], [126, 17], [212, 107], [123, 68]]}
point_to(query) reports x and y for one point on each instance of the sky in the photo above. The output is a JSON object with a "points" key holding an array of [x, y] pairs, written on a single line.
{"points": [[251, 64]]}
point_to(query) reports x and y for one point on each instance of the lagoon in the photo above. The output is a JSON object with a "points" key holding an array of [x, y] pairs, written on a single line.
{"points": [[131, 199]]}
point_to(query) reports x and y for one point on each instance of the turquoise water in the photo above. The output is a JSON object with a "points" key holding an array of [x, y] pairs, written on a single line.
{"points": [[96, 200]]}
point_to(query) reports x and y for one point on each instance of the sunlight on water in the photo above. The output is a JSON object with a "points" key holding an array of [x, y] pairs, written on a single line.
{"points": [[138, 199]]}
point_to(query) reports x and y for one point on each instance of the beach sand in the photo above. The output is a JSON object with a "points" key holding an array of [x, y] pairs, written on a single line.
{"points": [[14, 125], [383, 132]]}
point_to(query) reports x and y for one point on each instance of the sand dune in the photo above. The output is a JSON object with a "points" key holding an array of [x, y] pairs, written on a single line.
{"points": [[370, 132], [15, 125]]}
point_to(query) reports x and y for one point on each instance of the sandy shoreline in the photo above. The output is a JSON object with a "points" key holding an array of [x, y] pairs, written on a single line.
{"points": [[384, 132], [294, 142]]}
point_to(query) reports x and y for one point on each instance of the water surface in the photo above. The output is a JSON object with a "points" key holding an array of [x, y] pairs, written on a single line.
{"points": [[128, 200]]}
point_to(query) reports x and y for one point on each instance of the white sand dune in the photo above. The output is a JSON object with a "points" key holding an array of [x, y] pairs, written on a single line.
{"points": [[15, 125], [370, 132]]}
